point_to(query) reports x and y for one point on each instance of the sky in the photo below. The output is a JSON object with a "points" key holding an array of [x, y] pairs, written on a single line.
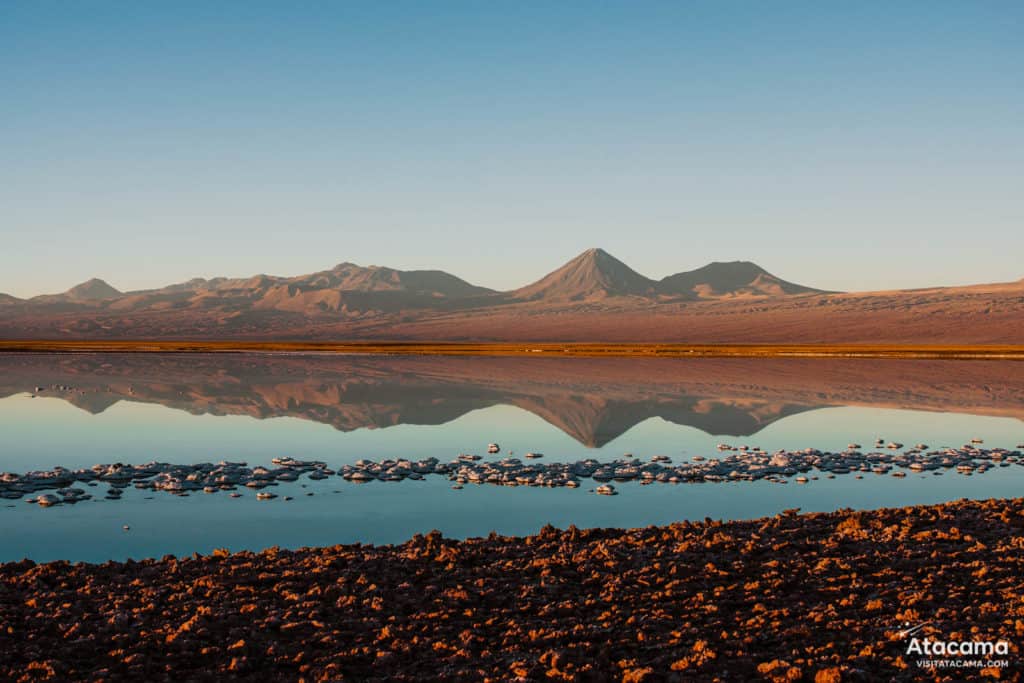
{"points": [[847, 146]]}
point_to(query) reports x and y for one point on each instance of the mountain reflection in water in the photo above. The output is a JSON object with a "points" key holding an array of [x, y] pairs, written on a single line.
{"points": [[592, 400]]}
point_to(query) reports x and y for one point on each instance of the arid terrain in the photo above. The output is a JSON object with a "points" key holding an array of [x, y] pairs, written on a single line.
{"points": [[593, 297], [819, 597], [594, 400]]}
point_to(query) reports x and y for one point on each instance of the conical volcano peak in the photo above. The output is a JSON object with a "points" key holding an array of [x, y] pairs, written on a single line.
{"points": [[93, 289], [735, 267], [594, 274], [599, 256]]}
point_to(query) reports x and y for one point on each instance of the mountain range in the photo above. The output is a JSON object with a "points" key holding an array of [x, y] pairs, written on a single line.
{"points": [[593, 275], [594, 297]]}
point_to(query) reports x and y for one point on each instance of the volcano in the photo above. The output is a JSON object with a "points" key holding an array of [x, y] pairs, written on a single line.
{"points": [[593, 275]]}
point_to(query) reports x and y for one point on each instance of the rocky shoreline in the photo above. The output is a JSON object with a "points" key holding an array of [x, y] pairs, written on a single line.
{"points": [[819, 597]]}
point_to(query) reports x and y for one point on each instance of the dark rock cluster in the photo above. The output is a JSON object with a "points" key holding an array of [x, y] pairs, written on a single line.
{"points": [[739, 464], [819, 597], [179, 480]]}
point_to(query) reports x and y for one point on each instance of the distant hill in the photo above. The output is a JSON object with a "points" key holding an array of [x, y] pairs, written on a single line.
{"points": [[346, 287], [88, 292], [350, 277], [92, 290], [730, 279], [351, 287], [193, 285], [593, 297], [594, 274], [8, 299]]}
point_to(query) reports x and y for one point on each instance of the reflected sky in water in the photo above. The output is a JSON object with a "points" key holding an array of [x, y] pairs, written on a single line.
{"points": [[42, 432]]}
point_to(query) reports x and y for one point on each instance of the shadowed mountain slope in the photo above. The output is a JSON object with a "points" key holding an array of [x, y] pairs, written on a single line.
{"points": [[92, 290], [350, 277], [593, 275], [735, 278]]}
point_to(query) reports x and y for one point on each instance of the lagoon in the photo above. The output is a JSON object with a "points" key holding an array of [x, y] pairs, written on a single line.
{"points": [[76, 410]]}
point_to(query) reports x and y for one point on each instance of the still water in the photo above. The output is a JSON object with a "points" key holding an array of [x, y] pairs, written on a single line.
{"points": [[81, 409]]}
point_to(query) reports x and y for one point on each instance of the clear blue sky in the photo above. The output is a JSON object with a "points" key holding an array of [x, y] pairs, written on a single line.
{"points": [[846, 145]]}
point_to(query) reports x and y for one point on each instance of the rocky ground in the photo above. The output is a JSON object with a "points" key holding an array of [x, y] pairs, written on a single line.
{"points": [[816, 597]]}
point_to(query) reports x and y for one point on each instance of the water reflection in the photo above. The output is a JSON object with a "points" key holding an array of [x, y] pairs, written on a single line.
{"points": [[199, 408], [594, 401]]}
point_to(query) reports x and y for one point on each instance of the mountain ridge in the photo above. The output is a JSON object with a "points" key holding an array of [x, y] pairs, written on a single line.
{"points": [[592, 275], [592, 297]]}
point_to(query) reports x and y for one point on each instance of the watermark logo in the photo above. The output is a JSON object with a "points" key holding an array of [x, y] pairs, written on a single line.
{"points": [[927, 651], [909, 630]]}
